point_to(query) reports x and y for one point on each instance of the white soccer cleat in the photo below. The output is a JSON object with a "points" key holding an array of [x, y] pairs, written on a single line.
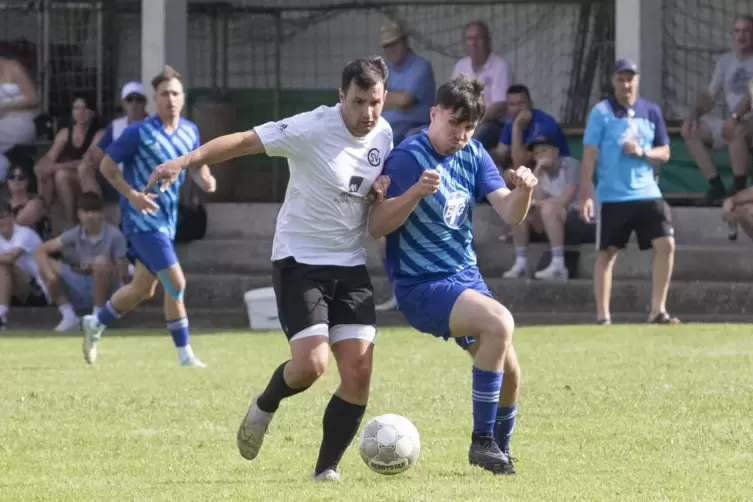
{"points": [[252, 431], [390, 304], [516, 272], [552, 273], [328, 475], [193, 362], [93, 330], [67, 323]]}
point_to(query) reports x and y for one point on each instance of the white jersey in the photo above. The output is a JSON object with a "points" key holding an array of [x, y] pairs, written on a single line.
{"points": [[28, 240], [323, 218]]}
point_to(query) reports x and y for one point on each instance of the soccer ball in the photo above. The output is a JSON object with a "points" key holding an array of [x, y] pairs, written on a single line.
{"points": [[389, 444]]}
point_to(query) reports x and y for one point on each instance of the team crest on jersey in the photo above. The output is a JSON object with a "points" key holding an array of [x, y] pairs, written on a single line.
{"points": [[374, 157], [455, 209]]}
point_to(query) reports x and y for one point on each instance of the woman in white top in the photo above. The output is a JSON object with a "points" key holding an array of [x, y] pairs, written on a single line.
{"points": [[18, 108]]}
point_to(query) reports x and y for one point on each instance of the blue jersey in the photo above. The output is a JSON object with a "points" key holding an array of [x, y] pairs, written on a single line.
{"points": [[623, 177], [141, 148], [437, 238]]}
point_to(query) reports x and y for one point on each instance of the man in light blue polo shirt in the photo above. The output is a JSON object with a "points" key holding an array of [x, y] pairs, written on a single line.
{"points": [[624, 135], [410, 85]]}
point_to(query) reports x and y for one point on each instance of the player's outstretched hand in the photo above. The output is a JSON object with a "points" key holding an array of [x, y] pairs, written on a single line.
{"points": [[380, 186], [164, 175], [427, 184], [144, 202], [522, 177]]}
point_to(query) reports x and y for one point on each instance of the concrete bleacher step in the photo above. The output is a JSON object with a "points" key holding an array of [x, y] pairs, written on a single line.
{"points": [[225, 291], [693, 225], [692, 263]]}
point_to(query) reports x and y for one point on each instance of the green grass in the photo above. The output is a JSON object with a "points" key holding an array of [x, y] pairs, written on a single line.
{"points": [[607, 413]]}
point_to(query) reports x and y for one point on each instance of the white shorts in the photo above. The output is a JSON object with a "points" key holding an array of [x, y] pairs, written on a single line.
{"points": [[711, 131]]}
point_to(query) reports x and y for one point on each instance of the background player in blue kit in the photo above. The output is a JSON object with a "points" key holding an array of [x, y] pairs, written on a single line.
{"points": [[150, 219], [435, 179]]}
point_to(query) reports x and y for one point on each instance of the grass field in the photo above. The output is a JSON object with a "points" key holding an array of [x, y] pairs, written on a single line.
{"points": [[607, 413]]}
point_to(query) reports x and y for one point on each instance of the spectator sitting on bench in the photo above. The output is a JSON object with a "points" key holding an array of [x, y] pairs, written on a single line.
{"points": [[56, 172], [19, 275], [18, 107], [28, 209], [554, 213], [98, 252]]}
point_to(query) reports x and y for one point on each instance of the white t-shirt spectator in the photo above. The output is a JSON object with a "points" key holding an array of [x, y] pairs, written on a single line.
{"points": [[28, 240]]}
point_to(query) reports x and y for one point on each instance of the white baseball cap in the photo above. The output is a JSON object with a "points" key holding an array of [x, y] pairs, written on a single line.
{"points": [[132, 88]]}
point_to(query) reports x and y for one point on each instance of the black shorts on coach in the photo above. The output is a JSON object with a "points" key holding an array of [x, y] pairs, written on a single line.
{"points": [[649, 219], [321, 294]]}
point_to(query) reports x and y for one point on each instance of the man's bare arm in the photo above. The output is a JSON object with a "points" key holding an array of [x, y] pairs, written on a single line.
{"points": [[399, 100], [224, 148]]}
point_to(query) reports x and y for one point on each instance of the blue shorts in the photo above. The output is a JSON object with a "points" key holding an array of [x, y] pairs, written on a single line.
{"points": [[427, 305], [79, 288], [154, 249]]}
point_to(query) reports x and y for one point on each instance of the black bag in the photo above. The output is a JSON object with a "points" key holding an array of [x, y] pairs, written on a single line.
{"points": [[192, 222]]}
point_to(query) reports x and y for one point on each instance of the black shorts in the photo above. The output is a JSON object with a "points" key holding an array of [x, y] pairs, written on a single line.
{"points": [[308, 295], [649, 219], [577, 231]]}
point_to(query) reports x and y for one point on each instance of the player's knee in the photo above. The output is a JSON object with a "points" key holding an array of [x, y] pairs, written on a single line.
{"points": [[308, 370], [549, 210], [61, 176], [355, 374], [499, 325], [689, 133], [174, 284]]}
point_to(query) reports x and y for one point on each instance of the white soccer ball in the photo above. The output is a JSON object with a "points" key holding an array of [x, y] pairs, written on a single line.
{"points": [[389, 444]]}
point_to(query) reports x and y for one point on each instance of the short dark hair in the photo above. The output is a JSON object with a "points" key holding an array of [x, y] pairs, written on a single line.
{"points": [[465, 97], [168, 73], [365, 73], [519, 89], [90, 201]]}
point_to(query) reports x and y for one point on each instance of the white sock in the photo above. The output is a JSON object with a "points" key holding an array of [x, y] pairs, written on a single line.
{"points": [[3, 311], [558, 256], [520, 257], [66, 310], [185, 353], [96, 310]]}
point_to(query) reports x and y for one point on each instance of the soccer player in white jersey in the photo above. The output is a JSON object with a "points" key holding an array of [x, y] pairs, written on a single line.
{"points": [[435, 179], [324, 293]]}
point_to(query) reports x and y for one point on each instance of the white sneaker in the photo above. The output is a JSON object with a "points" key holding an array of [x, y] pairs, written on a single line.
{"points": [[93, 330], [552, 273], [516, 272], [328, 475], [68, 323], [252, 431], [193, 362], [390, 304]]}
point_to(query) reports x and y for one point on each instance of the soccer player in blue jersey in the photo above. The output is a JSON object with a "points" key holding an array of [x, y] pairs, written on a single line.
{"points": [[624, 135], [150, 219], [435, 179]]}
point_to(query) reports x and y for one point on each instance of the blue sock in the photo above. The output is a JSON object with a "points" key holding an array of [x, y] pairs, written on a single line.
{"points": [[108, 314], [179, 331], [486, 386], [504, 426]]}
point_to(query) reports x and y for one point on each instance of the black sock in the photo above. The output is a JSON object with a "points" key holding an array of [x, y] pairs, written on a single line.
{"points": [[740, 182], [340, 424], [277, 390], [716, 184]]}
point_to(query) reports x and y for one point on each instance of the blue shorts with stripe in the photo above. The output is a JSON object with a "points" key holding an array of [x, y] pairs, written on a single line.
{"points": [[155, 250], [427, 304]]}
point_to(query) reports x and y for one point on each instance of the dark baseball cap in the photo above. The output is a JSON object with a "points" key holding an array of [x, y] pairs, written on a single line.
{"points": [[625, 66], [542, 140]]}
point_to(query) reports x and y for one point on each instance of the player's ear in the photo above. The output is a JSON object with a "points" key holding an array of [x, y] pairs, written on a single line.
{"points": [[432, 113], [340, 95]]}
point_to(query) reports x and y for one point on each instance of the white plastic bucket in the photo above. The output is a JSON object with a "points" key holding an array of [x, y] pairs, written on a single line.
{"points": [[262, 309]]}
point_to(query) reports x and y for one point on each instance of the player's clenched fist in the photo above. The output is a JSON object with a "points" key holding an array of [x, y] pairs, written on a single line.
{"points": [[427, 184], [380, 186], [522, 177]]}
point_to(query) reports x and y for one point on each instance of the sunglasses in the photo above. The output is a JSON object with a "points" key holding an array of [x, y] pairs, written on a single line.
{"points": [[17, 177], [135, 98]]}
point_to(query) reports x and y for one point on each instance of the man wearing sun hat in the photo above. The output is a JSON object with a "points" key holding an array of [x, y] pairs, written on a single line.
{"points": [[410, 85], [133, 100]]}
